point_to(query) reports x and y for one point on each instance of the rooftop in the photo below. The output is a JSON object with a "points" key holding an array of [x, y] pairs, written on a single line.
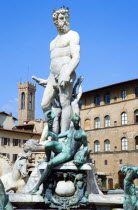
{"points": [[20, 131], [6, 114], [112, 85]]}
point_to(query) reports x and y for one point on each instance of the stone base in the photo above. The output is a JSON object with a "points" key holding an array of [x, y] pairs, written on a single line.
{"points": [[68, 185], [96, 202]]}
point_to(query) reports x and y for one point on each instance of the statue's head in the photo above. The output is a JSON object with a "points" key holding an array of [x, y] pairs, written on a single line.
{"points": [[61, 19], [30, 145], [50, 114], [125, 168], [75, 119]]}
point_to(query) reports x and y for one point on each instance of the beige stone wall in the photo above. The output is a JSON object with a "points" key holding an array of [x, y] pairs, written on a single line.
{"points": [[38, 125], [7, 122], [10, 149], [113, 163], [115, 157], [114, 110]]}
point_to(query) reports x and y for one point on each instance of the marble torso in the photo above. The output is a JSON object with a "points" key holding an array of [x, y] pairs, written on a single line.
{"points": [[60, 53], [74, 142]]}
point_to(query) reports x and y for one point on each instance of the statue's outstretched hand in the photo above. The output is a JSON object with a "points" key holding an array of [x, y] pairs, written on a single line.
{"points": [[42, 82]]}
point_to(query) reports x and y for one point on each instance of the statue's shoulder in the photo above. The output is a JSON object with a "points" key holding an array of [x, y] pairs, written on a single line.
{"points": [[73, 35]]}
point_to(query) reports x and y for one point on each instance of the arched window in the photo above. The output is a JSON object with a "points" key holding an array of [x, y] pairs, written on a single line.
{"points": [[87, 124], [97, 146], [107, 145], [107, 121], [97, 122], [23, 100], [124, 118], [136, 140], [30, 101], [124, 143], [136, 116]]}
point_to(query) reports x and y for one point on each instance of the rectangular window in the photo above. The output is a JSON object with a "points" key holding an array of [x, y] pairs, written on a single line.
{"points": [[14, 157], [107, 121], [136, 119], [5, 154], [107, 98], [124, 95], [136, 91], [120, 161], [24, 141], [8, 156], [5, 141], [136, 142], [124, 118], [97, 101], [124, 144], [16, 142], [105, 162], [97, 122], [107, 145]]}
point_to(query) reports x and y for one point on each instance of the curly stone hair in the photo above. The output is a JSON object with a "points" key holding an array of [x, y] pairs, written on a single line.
{"points": [[56, 13]]}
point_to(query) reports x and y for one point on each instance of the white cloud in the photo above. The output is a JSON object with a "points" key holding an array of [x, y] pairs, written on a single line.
{"points": [[13, 100]]}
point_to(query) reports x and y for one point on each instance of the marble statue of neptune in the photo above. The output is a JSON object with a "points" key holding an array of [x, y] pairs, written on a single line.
{"points": [[65, 56]]}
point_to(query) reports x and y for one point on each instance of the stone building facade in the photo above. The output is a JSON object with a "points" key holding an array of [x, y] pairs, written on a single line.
{"points": [[12, 141], [12, 138], [26, 102], [109, 115]]}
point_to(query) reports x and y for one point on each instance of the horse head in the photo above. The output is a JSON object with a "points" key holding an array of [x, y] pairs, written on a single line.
{"points": [[21, 165]]}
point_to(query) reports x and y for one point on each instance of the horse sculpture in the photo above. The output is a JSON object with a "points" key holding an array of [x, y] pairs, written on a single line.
{"points": [[13, 176]]}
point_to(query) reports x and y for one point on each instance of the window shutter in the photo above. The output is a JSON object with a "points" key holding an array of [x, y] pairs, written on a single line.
{"points": [[8, 156], [2, 141], [13, 142], [8, 141], [19, 142]]}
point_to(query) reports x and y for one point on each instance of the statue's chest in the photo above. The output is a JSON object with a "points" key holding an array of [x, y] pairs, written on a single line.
{"points": [[61, 42], [77, 135]]}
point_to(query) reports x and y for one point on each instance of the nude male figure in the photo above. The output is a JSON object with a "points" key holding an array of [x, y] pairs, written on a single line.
{"points": [[65, 56]]}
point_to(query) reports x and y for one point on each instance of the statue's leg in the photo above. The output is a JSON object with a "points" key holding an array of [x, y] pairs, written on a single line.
{"points": [[65, 97], [48, 95], [47, 99], [53, 146], [56, 123], [60, 158]]}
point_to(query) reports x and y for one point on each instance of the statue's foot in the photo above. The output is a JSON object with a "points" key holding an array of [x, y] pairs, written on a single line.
{"points": [[34, 190]]}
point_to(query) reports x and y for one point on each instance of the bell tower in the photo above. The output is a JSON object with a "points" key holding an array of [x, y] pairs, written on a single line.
{"points": [[26, 102]]}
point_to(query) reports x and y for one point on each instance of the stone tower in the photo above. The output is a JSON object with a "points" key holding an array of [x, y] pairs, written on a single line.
{"points": [[26, 102]]}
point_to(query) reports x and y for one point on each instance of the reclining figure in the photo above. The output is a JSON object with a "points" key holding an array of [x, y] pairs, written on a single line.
{"points": [[64, 151]]}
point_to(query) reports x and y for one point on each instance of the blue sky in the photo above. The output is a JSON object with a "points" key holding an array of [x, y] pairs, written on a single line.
{"points": [[109, 43]]}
